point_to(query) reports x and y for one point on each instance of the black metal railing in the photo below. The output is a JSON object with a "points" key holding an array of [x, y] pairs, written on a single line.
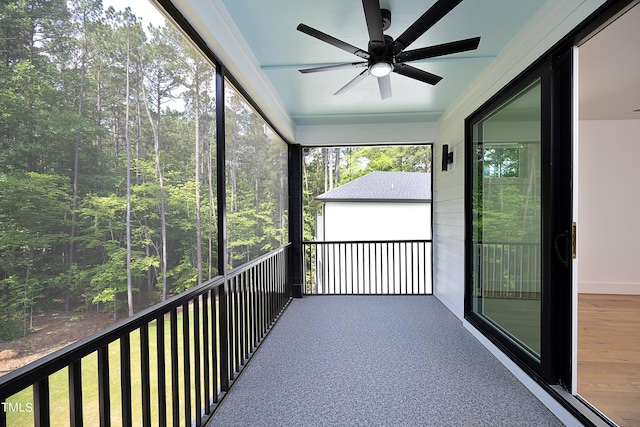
{"points": [[368, 267], [509, 270], [203, 338]]}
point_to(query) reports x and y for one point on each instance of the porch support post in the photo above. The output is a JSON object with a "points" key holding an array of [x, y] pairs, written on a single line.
{"points": [[296, 260], [221, 179]]}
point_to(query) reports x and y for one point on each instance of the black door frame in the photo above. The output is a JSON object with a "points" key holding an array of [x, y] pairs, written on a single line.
{"points": [[554, 370], [544, 367]]}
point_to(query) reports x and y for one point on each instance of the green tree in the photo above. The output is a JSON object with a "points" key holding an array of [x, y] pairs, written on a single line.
{"points": [[34, 210]]}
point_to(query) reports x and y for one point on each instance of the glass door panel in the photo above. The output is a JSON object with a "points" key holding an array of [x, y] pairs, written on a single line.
{"points": [[506, 218]]}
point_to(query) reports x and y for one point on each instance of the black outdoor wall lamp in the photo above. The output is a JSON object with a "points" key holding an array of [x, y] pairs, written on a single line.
{"points": [[447, 157]]}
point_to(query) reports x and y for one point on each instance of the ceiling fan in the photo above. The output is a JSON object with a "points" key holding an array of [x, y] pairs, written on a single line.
{"points": [[386, 55]]}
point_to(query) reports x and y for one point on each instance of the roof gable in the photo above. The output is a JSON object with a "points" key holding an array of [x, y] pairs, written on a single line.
{"points": [[383, 187]]}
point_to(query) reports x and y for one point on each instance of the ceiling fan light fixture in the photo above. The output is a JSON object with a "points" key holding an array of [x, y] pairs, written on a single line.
{"points": [[384, 55], [381, 69]]}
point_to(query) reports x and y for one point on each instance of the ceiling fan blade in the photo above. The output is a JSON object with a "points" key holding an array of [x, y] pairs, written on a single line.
{"points": [[439, 50], [374, 23], [333, 41], [426, 21], [333, 67], [384, 83], [417, 74], [353, 82]]}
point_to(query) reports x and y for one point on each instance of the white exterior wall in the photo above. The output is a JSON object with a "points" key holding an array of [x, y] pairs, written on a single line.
{"points": [[609, 207], [344, 221], [378, 268]]}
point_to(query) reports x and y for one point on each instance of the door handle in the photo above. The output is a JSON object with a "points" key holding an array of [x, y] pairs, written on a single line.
{"points": [[564, 259]]}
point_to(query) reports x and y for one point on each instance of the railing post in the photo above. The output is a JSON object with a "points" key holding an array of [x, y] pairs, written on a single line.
{"points": [[296, 270], [104, 397], [175, 389], [162, 380], [224, 337], [125, 380], [186, 371], [145, 374], [221, 179], [75, 393], [41, 403]]}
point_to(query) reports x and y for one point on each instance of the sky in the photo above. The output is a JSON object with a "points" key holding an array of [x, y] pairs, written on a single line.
{"points": [[141, 8]]}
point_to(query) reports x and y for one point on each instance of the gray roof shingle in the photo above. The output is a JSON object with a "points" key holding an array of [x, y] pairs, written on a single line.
{"points": [[383, 186]]}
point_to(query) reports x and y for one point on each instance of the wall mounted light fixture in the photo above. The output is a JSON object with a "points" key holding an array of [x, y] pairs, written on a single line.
{"points": [[447, 157]]}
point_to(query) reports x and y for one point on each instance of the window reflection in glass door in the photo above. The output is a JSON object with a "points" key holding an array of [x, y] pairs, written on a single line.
{"points": [[506, 218]]}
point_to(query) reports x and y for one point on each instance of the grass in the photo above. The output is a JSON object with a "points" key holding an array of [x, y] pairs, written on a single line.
{"points": [[59, 389]]}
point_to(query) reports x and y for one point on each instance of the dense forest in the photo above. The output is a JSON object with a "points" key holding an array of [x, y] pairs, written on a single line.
{"points": [[107, 164]]}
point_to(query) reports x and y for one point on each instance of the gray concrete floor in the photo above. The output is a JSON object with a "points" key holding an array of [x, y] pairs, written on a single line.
{"points": [[376, 361]]}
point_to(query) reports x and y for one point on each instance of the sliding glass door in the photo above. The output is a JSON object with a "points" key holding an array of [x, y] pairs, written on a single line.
{"points": [[507, 228], [518, 289], [520, 242]]}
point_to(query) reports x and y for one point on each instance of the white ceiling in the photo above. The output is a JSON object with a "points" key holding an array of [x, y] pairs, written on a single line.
{"points": [[269, 29], [609, 79]]}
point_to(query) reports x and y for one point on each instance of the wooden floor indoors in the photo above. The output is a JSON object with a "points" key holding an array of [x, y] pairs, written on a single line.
{"points": [[609, 355]]}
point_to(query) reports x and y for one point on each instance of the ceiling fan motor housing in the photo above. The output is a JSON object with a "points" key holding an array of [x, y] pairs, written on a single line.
{"points": [[386, 19], [381, 62]]}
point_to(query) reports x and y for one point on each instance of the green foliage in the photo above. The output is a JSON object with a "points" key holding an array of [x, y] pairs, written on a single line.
{"points": [[63, 92], [10, 329]]}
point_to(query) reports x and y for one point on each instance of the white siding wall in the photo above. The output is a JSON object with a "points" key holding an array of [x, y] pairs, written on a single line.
{"points": [[377, 221], [387, 269], [554, 21]]}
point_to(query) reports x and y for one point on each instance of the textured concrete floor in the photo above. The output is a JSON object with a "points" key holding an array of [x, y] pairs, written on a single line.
{"points": [[376, 361]]}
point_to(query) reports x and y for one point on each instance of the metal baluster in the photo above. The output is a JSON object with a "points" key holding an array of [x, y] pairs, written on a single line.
{"points": [[125, 380], [75, 393], [145, 376], [186, 356]]}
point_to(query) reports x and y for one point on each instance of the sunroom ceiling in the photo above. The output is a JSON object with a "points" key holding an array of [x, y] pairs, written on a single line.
{"points": [[268, 30], [269, 27]]}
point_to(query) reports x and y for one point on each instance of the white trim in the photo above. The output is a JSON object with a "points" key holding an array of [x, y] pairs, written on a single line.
{"points": [[575, 123], [609, 288], [367, 134]]}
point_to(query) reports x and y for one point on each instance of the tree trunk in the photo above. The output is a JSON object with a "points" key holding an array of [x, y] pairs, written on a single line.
{"points": [[336, 167], [155, 127], [212, 200], [76, 163], [128, 220], [197, 177]]}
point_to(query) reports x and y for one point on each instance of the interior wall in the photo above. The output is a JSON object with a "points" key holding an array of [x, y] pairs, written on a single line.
{"points": [[609, 207]]}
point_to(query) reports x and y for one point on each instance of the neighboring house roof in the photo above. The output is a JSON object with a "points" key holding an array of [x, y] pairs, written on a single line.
{"points": [[383, 186]]}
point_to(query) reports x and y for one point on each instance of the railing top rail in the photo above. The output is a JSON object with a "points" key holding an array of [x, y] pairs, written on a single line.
{"points": [[332, 242], [250, 265], [14, 382], [481, 242]]}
